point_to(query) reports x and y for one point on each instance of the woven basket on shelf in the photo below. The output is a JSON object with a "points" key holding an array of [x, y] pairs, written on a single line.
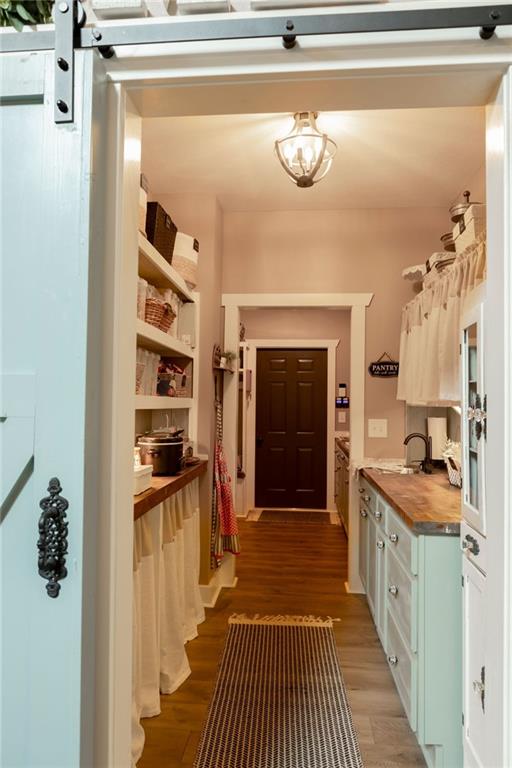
{"points": [[168, 318], [155, 309]]}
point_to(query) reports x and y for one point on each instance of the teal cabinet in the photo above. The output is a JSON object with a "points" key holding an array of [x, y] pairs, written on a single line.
{"points": [[414, 592]]}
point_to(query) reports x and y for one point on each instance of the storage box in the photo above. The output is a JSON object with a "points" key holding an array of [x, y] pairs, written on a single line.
{"points": [[185, 7], [469, 227], [161, 230], [185, 258], [119, 9], [142, 478], [175, 377]]}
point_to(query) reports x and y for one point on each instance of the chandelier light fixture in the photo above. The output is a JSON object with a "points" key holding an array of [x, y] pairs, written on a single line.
{"points": [[305, 154]]}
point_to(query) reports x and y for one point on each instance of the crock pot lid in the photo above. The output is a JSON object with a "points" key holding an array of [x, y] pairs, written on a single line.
{"points": [[160, 438]]}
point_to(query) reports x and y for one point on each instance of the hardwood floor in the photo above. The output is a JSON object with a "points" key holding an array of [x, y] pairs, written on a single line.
{"points": [[292, 569]]}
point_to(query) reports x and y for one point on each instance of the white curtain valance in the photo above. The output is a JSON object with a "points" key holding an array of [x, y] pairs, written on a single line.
{"points": [[429, 342]]}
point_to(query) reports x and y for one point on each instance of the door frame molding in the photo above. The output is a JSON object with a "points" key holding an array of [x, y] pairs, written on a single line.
{"points": [[394, 70], [254, 345], [357, 304]]}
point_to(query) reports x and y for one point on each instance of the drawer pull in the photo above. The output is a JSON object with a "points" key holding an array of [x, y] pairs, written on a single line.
{"points": [[471, 544], [393, 660], [393, 590], [378, 514], [380, 544], [393, 537], [361, 490], [363, 513]]}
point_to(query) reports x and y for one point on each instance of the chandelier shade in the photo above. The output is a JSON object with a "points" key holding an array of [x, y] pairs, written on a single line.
{"points": [[305, 154]]}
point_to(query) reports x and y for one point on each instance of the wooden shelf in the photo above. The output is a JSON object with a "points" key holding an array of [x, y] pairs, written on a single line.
{"points": [[157, 403], [225, 370], [157, 271], [155, 340], [164, 487]]}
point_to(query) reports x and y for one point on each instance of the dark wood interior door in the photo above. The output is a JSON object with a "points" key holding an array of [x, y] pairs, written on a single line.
{"points": [[291, 428]]}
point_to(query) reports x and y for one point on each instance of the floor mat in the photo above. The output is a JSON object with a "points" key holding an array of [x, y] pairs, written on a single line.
{"points": [[293, 516], [279, 700]]}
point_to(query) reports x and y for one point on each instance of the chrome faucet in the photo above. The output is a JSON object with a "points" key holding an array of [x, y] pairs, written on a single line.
{"points": [[426, 464]]}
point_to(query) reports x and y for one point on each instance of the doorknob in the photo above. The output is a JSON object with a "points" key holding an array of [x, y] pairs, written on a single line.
{"points": [[259, 440]]}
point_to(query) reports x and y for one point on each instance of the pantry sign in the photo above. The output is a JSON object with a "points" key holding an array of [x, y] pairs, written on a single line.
{"points": [[385, 367]]}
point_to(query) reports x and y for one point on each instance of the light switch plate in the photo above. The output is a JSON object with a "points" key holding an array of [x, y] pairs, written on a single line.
{"points": [[377, 427], [342, 417]]}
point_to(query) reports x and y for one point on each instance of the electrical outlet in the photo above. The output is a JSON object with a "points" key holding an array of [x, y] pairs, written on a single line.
{"points": [[377, 427], [342, 417]]}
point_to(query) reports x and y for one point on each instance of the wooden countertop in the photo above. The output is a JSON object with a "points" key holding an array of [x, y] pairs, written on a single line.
{"points": [[164, 487], [428, 504]]}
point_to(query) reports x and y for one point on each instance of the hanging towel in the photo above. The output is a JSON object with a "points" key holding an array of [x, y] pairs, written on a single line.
{"points": [[225, 528]]}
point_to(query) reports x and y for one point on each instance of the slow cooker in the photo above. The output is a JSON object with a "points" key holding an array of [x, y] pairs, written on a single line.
{"points": [[163, 451]]}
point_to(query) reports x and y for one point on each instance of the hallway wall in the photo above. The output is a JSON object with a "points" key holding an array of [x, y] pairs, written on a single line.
{"points": [[306, 324], [340, 251]]}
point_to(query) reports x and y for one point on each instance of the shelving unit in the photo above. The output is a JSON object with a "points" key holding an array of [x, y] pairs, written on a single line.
{"points": [[155, 340], [156, 403], [152, 410], [157, 271]]}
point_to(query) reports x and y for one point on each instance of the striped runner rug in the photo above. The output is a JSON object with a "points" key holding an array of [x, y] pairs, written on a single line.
{"points": [[279, 699]]}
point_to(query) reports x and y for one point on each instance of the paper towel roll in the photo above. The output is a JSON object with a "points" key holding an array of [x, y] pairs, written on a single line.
{"points": [[437, 430]]}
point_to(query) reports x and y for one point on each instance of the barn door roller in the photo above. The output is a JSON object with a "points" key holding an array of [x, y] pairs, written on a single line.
{"points": [[69, 16], [71, 33]]}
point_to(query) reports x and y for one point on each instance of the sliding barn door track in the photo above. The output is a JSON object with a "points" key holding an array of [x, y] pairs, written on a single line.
{"points": [[70, 33]]}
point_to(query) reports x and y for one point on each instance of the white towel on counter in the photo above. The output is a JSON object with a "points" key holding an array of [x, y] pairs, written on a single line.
{"points": [[396, 466]]}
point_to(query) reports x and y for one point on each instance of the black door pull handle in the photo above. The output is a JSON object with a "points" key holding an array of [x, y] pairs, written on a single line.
{"points": [[52, 544]]}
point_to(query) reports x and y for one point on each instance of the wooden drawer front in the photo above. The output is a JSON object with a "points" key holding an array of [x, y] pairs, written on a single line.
{"points": [[402, 600], [403, 667], [402, 542]]}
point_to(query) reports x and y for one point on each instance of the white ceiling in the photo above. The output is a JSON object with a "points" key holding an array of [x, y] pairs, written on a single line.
{"points": [[392, 158]]}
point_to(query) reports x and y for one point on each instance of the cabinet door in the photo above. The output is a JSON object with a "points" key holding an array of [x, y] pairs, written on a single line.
{"points": [[371, 587], [364, 525], [375, 565], [345, 484], [473, 418], [474, 736]]}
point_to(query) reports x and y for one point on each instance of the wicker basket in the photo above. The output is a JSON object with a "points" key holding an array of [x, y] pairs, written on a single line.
{"points": [[155, 310], [161, 230], [168, 318], [454, 473]]}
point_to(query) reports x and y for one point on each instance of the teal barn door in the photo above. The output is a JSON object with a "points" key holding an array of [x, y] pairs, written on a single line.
{"points": [[46, 420]]}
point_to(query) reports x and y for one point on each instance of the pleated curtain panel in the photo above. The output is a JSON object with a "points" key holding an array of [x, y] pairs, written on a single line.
{"points": [[429, 371], [167, 603]]}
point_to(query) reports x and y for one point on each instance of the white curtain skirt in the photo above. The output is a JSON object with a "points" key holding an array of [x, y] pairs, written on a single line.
{"points": [[167, 606]]}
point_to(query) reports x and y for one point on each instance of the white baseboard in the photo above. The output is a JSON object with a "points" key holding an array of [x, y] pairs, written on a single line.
{"points": [[224, 578], [353, 591]]}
